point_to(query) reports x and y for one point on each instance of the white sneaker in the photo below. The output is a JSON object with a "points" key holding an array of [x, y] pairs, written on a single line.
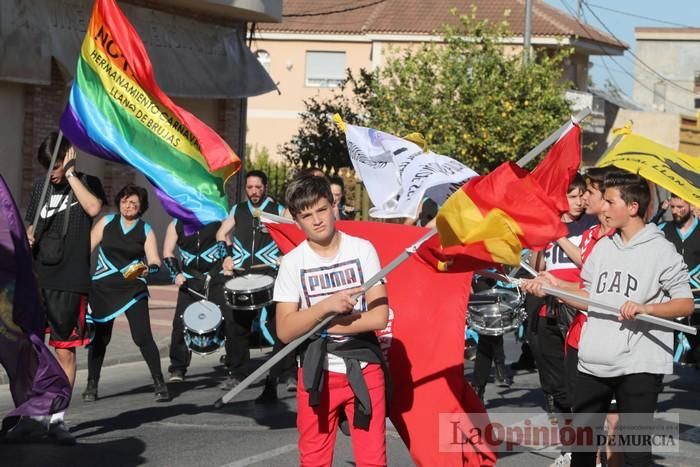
{"points": [[564, 460]]}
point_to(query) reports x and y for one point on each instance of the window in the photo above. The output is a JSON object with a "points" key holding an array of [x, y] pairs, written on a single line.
{"points": [[697, 82], [263, 57], [325, 69]]}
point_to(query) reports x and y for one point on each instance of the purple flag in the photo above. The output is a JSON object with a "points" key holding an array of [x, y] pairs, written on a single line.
{"points": [[37, 382]]}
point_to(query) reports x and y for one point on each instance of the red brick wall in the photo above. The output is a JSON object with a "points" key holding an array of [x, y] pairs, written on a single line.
{"points": [[42, 109]]}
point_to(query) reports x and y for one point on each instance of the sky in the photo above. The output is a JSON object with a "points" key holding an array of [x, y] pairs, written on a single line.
{"points": [[657, 13]]}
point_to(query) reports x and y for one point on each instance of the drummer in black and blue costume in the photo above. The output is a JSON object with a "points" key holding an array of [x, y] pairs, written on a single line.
{"points": [[251, 249], [199, 267], [125, 243]]}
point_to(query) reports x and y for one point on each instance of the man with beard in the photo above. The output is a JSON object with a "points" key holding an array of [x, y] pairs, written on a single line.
{"points": [[684, 233], [252, 251]]}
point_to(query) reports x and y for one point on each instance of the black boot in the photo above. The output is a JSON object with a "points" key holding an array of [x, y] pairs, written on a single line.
{"points": [[526, 362], [501, 375], [90, 393], [160, 389], [269, 394]]}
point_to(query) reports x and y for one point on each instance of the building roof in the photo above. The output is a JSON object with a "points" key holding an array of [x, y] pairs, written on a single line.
{"points": [[236, 10], [667, 30], [423, 17]]}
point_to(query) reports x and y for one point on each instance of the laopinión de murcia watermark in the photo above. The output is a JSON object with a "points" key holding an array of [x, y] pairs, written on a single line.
{"points": [[522, 431]]}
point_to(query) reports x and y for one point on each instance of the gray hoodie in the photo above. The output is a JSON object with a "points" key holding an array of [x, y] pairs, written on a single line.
{"points": [[646, 270]]}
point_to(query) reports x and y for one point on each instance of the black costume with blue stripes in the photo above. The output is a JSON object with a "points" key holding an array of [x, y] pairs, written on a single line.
{"points": [[121, 247], [200, 255], [111, 294], [252, 243]]}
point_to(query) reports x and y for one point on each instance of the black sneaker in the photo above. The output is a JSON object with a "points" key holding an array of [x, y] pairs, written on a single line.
{"points": [[59, 432], [501, 376], [27, 429], [269, 394], [291, 384], [90, 393], [160, 390], [177, 376], [229, 383], [523, 365]]}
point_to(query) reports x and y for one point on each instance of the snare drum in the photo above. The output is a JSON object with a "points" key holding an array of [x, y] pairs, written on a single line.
{"points": [[204, 333], [250, 292], [494, 312]]}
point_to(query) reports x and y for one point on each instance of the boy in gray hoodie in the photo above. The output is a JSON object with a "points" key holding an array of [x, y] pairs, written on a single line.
{"points": [[640, 272]]}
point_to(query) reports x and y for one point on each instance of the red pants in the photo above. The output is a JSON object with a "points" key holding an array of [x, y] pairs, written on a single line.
{"points": [[318, 425]]}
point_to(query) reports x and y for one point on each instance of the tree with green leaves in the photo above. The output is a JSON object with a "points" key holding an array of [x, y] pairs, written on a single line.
{"points": [[319, 142], [470, 98]]}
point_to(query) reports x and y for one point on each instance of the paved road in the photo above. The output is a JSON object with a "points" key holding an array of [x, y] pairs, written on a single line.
{"points": [[126, 428]]}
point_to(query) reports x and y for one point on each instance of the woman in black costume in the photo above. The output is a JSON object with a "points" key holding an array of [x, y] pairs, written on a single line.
{"points": [[126, 244]]}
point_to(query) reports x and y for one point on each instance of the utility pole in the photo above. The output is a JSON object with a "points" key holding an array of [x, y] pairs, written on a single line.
{"points": [[579, 9], [527, 36]]}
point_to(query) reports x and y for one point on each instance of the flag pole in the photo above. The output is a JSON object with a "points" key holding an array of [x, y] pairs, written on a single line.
{"points": [[45, 188], [551, 139], [666, 323], [289, 348]]}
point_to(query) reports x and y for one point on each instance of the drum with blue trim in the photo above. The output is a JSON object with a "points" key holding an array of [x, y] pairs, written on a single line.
{"points": [[204, 330]]}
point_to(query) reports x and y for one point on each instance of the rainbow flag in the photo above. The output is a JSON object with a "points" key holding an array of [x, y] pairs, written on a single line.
{"points": [[117, 111]]}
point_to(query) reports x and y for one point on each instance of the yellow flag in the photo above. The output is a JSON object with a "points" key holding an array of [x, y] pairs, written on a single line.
{"points": [[677, 172]]}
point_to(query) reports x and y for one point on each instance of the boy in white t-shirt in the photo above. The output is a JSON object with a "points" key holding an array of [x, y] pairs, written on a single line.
{"points": [[343, 368]]}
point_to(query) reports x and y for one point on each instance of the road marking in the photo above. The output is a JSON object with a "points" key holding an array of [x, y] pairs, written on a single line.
{"points": [[263, 456]]}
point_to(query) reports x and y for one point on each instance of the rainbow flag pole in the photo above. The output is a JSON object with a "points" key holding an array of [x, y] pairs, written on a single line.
{"points": [[116, 111]]}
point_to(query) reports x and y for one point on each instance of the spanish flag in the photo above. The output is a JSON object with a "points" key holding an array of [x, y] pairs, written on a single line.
{"points": [[493, 217], [677, 172]]}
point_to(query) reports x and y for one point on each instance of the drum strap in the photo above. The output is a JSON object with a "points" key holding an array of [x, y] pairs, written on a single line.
{"points": [[361, 348]]}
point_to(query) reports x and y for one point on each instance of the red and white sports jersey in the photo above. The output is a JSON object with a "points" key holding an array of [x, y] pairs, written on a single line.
{"points": [[557, 262]]}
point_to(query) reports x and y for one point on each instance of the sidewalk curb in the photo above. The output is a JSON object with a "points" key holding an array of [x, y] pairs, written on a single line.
{"points": [[163, 350]]}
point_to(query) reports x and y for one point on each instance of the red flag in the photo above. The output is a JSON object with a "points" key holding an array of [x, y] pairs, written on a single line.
{"points": [[558, 168], [424, 346]]}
